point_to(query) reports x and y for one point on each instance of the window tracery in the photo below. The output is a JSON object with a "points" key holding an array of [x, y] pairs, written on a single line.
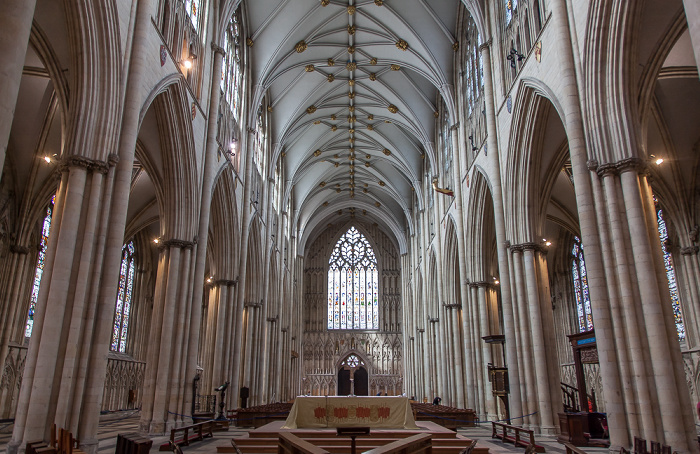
{"points": [[45, 230], [583, 299], [232, 69], [122, 307], [353, 284], [670, 275]]}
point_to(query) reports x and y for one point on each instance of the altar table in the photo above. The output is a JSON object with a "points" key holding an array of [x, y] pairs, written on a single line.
{"points": [[381, 412]]}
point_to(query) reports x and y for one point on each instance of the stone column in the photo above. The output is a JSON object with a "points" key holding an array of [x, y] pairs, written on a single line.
{"points": [[676, 420], [509, 322], [15, 28], [527, 384], [210, 165], [61, 340], [540, 356], [490, 400]]}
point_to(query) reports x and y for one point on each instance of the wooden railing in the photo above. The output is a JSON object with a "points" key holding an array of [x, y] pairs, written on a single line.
{"points": [[416, 444], [198, 432], [570, 399], [512, 434], [291, 444]]}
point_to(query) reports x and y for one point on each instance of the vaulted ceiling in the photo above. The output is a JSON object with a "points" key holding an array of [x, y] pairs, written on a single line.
{"points": [[352, 88]]}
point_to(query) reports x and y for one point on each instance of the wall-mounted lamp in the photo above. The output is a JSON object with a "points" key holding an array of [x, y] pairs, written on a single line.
{"points": [[51, 158], [513, 56], [546, 242], [156, 240], [189, 61], [210, 279], [496, 281], [657, 161]]}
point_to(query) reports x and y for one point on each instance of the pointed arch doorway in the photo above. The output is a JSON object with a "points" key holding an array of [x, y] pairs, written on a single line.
{"points": [[353, 378]]}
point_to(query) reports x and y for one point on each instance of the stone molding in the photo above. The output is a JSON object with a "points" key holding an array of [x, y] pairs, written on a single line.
{"points": [[226, 282], [614, 168], [218, 49], [182, 244], [91, 165]]}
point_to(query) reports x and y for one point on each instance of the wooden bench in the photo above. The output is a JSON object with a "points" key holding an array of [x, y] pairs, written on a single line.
{"points": [[194, 432], [515, 437]]}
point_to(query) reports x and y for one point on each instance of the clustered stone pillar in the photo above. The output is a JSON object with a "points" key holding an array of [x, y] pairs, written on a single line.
{"points": [[65, 325], [541, 321], [513, 360], [640, 311], [164, 388]]}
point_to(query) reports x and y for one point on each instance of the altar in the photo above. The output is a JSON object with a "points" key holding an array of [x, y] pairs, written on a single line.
{"points": [[361, 411]]}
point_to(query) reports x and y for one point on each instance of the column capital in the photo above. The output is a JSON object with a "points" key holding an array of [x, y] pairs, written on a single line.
{"points": [[485, 45], [607, 170], [88, 164], [218, 49], [690, 250], [632, 164], [17, 249], [226, 282], [182, 244]]}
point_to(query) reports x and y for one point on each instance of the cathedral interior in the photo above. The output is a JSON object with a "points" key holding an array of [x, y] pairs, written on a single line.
{"points": [[274, 193]]}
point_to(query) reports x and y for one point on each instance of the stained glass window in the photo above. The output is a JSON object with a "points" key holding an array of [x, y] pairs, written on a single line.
{"points": [[231, 69], [45, 229], [670, 275], [353, 284], [353, 361], [193, 9], [259, 142], [511, 6], [124, 299], [473, 73], [583, 299]]}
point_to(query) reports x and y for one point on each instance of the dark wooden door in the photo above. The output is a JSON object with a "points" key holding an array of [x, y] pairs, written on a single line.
{"points": [[344, 382]]}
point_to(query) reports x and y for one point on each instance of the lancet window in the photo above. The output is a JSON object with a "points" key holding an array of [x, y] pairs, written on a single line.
{"points": [[232, 69], [125, 293], [583, 299], [45, 229], [670, 275], [353, 284], [472, 86]]}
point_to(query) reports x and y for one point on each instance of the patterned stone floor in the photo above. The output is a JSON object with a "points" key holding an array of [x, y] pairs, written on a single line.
{"points": [[113, 424]]}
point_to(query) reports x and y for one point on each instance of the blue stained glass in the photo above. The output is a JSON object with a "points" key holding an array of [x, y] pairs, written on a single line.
{"points": [[45, 229], [354, 265], [671, 276], [122, 307], [583, 300]]}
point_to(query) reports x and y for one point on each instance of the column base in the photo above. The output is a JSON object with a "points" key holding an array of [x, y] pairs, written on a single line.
{"points": [[15, 447], [549, 430], [89, 446]]}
